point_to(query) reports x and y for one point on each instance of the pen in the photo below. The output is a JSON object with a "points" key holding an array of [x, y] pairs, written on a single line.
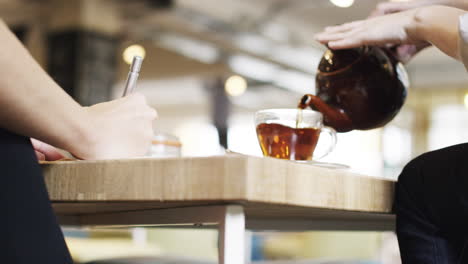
{"points": [[133, 75]]}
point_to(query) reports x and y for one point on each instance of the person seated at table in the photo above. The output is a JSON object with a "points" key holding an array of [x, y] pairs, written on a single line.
{"points": [[32, 105], [431, 202]]}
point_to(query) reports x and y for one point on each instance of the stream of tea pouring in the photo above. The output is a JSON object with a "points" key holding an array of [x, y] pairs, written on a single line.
{"points": [[303, 103]]}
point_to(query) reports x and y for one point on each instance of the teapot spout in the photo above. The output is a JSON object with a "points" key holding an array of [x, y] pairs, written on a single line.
{"points": [[332, 116]]}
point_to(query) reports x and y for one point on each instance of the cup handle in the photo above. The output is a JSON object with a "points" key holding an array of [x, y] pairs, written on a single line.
{"points": [[332, 133]]}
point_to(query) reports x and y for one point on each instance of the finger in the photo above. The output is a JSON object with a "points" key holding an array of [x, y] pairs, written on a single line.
{"points": [[153, 113], [346, 43], [343, 27], [40, 156], [406, 52], [49, 152], [326, 38], [422, 45]]}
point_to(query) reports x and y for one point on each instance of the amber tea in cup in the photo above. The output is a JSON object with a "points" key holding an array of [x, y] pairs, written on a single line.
{"points": [[291, 134]]}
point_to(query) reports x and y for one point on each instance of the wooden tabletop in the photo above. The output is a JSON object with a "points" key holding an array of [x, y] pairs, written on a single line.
{"points": [[266, 187]]}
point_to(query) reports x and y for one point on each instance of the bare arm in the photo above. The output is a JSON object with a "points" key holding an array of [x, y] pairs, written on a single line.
{"points": [[32, 104], [437, 25], [394, 7], [30, 98]]}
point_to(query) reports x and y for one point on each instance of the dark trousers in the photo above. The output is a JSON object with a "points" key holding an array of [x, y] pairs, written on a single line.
{"points": [[431, 205], [29, 231]]}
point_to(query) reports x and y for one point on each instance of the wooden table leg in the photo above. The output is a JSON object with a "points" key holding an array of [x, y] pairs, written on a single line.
{"points": [[232, 236]]}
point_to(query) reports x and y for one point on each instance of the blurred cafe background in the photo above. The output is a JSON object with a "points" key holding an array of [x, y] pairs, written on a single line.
{"points": [[208, 66]]}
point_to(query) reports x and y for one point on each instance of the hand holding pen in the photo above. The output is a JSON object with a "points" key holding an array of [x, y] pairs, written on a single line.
{"points": [[123, 127]]}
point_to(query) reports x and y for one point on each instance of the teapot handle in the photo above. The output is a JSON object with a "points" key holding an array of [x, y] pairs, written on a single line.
{"points": [[332, 133]]}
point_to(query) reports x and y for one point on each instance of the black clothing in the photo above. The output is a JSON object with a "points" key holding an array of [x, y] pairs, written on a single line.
{"points": [[30, 232], [431, 205]]}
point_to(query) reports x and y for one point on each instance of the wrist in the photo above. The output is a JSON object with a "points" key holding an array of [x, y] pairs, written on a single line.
{"points": [[423, 23], [416, 25], [461, 4], [82, 142]]}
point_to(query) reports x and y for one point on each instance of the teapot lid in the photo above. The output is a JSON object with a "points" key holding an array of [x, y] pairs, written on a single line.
{"points": [[334, 60]]}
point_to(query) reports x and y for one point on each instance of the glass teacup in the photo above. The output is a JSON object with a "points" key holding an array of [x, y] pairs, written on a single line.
{"points": [[292, 134]]}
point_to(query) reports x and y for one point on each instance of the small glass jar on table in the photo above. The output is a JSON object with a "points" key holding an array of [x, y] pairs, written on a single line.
{"points": [[165, 145]]}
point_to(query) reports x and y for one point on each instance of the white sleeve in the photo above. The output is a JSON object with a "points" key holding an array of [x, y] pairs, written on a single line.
{"points": [[463, 42]]}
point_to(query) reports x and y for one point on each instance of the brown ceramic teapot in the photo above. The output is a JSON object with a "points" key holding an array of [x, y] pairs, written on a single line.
{"points": [[361, 88]]}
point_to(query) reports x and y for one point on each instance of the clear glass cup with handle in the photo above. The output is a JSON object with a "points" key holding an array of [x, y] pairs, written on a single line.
{"points": [[292, 134]]}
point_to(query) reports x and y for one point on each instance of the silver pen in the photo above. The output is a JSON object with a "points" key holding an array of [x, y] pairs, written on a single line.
{"points": [[133, 75]]}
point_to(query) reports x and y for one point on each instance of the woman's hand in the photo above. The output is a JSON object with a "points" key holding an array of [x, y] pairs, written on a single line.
{"points": [[117, 129], [405, 52], [405, 28], [436, 25], [121, 128], [390, 31], [385, 30]]}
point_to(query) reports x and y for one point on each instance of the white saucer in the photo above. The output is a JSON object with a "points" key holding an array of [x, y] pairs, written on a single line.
{"points": [[328, 165]]}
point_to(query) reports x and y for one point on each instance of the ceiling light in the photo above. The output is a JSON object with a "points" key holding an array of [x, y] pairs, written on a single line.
{"points": [[235, 85], [342, 3], [466, 100], [132, 51]]}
